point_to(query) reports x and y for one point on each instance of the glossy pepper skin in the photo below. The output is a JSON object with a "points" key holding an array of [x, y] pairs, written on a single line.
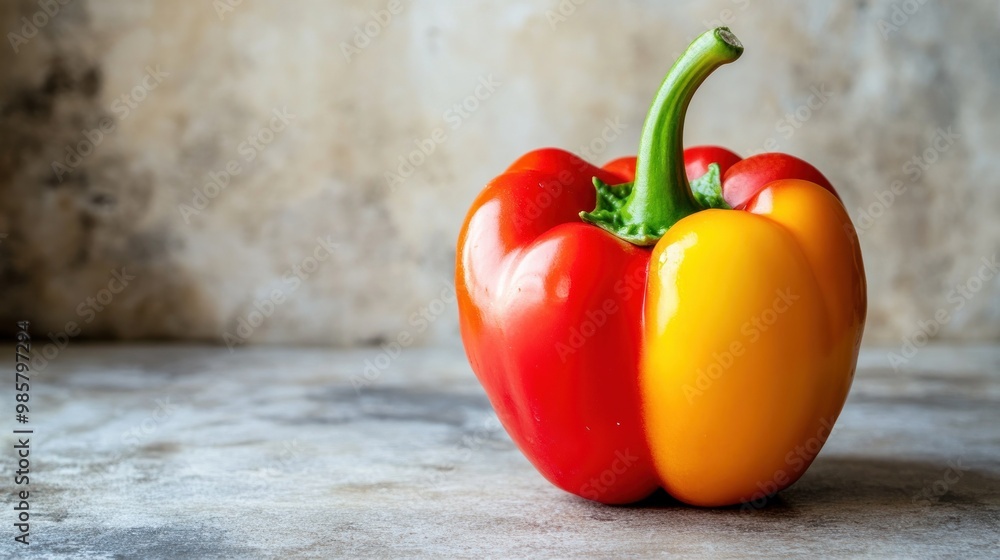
{"points": [[693, 324]]}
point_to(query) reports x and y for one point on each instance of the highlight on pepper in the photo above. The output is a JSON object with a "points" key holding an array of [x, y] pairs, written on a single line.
{"points": [[684, 319]]}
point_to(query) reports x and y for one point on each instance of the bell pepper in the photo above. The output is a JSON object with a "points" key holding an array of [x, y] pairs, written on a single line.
{"points": [[685, 319]]}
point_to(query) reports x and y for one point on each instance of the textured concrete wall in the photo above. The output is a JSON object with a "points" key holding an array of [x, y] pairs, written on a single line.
{"points": [[142, 104]]}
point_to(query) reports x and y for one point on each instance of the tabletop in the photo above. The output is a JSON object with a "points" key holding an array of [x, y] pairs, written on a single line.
{"points": [[165, 451]]}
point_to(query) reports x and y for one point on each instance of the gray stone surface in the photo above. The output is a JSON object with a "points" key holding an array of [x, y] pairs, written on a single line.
{"points": [[180, 451]]}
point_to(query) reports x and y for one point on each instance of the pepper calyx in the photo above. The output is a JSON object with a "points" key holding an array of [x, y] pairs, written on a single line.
{"points": [[707, 189], [661, 195], [607, 215]]}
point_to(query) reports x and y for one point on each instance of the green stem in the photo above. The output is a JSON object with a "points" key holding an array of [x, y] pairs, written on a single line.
{"points": [[660, 195]]}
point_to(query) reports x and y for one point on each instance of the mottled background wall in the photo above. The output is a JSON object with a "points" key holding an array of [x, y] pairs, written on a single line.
{"points": [[116, 115]]}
